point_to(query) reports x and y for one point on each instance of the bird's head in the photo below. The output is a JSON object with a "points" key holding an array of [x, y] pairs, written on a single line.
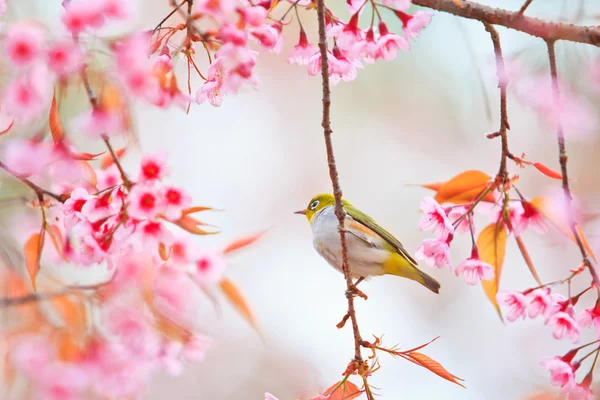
{"points": [[316, 204]]}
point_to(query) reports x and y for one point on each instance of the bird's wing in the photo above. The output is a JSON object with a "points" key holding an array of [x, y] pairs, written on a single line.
{"points": [[369, 223]]}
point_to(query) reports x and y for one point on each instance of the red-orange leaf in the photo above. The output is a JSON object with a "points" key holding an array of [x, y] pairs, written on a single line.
{"points": [[193, 210], [85, 156], [192, 226], [528, 260], [57, 240], [107, 160], [234, 295], [491, 244], [435, 367], [549, 172], [163, 252], [33, 251], [343, 391], [464, 187], [242, 242], [54, 121], [89, 173]]}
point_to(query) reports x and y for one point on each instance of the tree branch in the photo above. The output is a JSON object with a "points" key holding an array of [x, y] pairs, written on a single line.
{"points": [[514, 20], [333, 174], [562, 156], [502, 84], [38, 190], [524, 6]]}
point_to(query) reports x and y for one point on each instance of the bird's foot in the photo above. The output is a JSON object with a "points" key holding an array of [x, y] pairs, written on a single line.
{"points": [[355, 292]]}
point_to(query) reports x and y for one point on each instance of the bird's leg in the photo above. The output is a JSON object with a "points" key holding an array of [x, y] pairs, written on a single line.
{"points": [[354, 291]]}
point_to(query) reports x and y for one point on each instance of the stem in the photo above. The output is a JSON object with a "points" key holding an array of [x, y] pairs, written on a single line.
{"points": [[333, 174], [38, 190], [514, 20], [524, 7], [169, 15], [562, 156]]}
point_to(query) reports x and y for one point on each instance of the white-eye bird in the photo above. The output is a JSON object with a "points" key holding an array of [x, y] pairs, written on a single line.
{"points": [[371, 249]]}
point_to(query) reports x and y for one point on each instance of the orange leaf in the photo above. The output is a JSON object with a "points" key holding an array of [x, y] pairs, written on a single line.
{"points": [[107, 160], [192, 226], [163, 252], [421, 346], [242, 242], [464, 187], [193, 210], [54, 121], [458, 3], [33, 251], [343, 391], [85, 156], [547, 171], [435, 367], [491, 244], [73, 314], [528, 260], [273, 4], [235, 297], [57, 240], [433, 186], [91, 177]]}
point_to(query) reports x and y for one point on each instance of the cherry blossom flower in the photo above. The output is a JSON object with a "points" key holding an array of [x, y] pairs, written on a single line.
{"points": [[153, 167], [562, 373], [435, 218], [149, 234], [174, 201], [389, 43], [99, 122], [254, 16], [591, 316], [23, 44], [266, 35], [474, 269], [100, 208], [516, 303], [82, 15], [347, 35], [541, 302], [434, 252], [30, 352], [62, 381], [366, 49], [108, 177], [398, 4], [230, 33], [340, 68], [208, 267], [73, 206], [144, 202], [413, 23], [27, 158], [456, 212], [581, 392], [533, 218], [217, 9], [303, 51], [27, 96], [564, 325], [64, 58]]}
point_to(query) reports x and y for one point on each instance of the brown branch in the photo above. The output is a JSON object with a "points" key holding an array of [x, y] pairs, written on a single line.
{"points": [[562, 156], [502, 84], [38, 190], [169, 15], [333, 174], [524, 6], [513, 20]]}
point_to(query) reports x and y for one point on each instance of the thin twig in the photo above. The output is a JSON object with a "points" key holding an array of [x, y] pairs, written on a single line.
{"points": [[562, 156], [38, 190], [169, 15], [513, 20], [502, 84], [333, 174], [524, 7]]}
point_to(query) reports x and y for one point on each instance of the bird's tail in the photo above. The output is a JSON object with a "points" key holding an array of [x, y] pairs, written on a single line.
{"points": [[400, 266]]}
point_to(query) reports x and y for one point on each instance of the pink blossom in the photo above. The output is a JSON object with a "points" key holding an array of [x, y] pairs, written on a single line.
{"points": [[266, 35], [303, 51], [26, 158], [208, 267], [366, 49], [515, 215], [398, 4], [591, 316], [413, 23], [26, 97], [132, 329], [62, 381], [233, 66], [516, 303], [174, 201], [230, 33], [150, 233], [99, 208], [340, 68], [3, 7], [435, 218], [116, 9], [30, 353], [456, 212], [73, 206], [153, 167], [211, 91], [23, 44], [134, 67], [561, 373], [218, 9], [541, 301], [389, 43], [475, 270], [81, 15], [181, 251], [97, 123], [581, 392], [108, 177], [347, 35], [254, 16], [64, 58], [564, 325], [434, 252], [173, 296], [143, 202], [195, 347]]}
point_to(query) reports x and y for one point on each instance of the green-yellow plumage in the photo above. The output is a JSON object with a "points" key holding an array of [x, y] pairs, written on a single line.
{"points": [[371, 249]]}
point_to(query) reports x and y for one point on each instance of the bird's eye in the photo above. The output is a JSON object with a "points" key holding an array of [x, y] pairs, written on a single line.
{"points": [[314, 204]]}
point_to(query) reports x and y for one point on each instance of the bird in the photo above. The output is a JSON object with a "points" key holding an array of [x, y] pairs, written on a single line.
{"points": [[372, 251]]}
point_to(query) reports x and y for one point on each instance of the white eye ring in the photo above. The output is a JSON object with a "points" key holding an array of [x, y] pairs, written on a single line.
{"points": [[314, 204]]}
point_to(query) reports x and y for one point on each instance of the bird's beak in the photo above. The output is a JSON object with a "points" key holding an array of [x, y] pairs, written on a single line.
{"points": [[303, 212]]}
